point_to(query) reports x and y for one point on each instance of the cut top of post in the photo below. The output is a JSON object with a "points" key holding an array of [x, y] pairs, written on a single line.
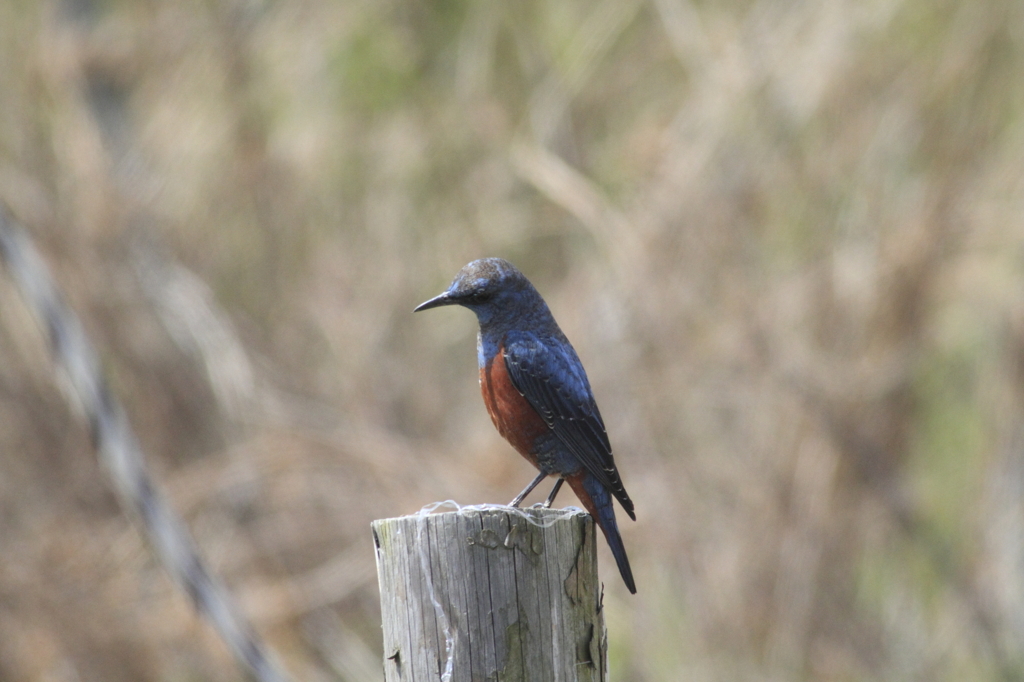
{"points": [[486, 593]]}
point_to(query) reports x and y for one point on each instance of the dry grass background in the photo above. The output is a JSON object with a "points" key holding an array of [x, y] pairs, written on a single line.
{"points": [[785, 237]]}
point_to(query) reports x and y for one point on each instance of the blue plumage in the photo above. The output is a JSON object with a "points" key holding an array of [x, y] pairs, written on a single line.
{"points": [[537, 392]]}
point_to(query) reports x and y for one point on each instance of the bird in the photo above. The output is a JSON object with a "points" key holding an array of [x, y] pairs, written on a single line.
{"points": [[537, 393]]}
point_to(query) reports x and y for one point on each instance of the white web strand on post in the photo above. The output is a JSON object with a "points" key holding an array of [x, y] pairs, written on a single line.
{"points": [[450, 634], [554, 515]]}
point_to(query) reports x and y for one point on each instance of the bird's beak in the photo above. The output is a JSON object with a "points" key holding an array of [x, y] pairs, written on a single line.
{"points": [[436, 302]]}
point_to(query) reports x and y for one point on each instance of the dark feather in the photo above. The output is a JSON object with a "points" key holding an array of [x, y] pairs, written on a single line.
{"points": [[552, 379]]}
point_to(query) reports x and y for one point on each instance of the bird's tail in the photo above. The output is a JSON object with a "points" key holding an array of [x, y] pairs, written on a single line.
{"points": [[598, 502]]}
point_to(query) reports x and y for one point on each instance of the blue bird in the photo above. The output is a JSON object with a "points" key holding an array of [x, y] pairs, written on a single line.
{"points": [[537, 393]]}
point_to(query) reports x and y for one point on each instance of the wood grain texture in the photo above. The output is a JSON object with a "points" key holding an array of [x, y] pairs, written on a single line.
{"points": [[490, 594]]}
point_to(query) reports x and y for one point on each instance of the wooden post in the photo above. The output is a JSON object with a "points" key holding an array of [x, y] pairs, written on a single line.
{"points": [[491, 594]]}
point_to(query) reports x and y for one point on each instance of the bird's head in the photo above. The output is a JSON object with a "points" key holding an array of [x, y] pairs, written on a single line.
{"points": [[489, 287]]}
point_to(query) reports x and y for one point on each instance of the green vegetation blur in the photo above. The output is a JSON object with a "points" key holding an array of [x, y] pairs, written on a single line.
{"points": [[786, 238]]}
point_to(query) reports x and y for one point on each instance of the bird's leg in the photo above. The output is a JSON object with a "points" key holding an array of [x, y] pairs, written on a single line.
{"points": [[519, 498], [554, 491]]}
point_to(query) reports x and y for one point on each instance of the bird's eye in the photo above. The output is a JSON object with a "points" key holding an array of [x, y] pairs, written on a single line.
{"points": [[480, 296]]}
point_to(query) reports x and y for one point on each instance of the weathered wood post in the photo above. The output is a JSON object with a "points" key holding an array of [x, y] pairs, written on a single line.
{"points": [[491, 594]]}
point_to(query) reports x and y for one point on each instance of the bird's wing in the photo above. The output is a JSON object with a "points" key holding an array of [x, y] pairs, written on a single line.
{"points": [[552, 379]]}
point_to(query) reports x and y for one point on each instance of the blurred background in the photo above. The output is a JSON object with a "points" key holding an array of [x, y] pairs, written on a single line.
{"points": [[785, 237]]}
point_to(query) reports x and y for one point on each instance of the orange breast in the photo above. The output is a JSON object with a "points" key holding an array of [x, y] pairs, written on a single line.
{"points": [[513, 416]]}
